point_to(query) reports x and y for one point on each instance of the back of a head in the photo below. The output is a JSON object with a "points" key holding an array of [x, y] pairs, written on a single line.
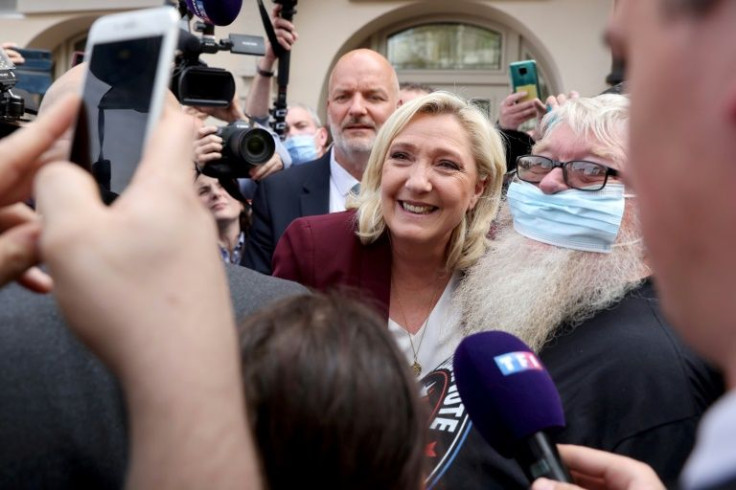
{"points": [[330, 399]]}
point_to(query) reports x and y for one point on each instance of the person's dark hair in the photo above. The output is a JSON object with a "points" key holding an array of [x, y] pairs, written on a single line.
{"points": [[330, 398], [233, 189]]}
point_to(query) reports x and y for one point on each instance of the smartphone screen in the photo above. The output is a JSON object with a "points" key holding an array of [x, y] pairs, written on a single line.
{"points": [[128, 62], [116, 101]]}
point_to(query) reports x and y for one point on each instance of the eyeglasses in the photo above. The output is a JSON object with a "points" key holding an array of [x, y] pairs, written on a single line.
{"points": [[578, 174]]}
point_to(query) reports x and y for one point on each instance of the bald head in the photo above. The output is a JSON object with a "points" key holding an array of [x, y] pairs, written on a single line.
{"points": [[365, 60], [363, 93]]}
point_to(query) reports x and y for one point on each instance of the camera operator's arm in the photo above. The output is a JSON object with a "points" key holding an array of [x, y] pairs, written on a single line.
{"points": [[231, 113], [14, 55], [159, 316], [259, 95]]}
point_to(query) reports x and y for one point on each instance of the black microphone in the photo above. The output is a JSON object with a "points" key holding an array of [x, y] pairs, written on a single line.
{"points": [[512, 401], [216, 12]]}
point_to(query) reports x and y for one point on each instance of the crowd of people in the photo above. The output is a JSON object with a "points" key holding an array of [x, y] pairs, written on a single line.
{"points": [[316, 348]]}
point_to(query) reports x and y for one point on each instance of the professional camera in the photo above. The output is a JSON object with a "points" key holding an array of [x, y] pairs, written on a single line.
{"points": [[12, 107], [243, 147], [195, 83]]}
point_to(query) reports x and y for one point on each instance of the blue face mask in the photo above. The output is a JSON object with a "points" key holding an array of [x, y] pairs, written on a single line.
{"points": [[302, 148], [575, 219]]}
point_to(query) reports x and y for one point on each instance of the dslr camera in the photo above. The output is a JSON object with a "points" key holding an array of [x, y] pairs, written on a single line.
{"points": [[243, 148]]}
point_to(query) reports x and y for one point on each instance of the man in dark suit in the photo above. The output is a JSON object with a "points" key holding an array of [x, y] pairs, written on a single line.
{"points": [[363, 92], [63, 416]]}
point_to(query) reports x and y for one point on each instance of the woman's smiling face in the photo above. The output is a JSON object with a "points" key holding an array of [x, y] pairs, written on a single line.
{"points": [[429, 180]]}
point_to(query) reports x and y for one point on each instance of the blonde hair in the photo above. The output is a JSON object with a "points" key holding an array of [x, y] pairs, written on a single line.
{"points": [[469, 240], [603, 118]]}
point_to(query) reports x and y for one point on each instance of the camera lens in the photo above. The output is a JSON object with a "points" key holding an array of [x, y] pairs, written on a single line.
{"points": [[256, 146]]}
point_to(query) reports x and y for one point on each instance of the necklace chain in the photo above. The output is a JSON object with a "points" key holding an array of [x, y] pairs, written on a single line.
{"points": [[416, 366]]}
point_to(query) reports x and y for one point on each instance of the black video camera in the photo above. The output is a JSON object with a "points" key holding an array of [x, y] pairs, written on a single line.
{"points": [[243, 147], [12, 107], [195, 83]]}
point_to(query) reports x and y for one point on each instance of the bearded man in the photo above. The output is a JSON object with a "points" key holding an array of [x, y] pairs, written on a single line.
{"points": [[566, 273]]}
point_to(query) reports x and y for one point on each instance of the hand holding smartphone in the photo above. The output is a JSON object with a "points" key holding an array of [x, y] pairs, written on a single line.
{"points": [[524, 78], [129, 58]]}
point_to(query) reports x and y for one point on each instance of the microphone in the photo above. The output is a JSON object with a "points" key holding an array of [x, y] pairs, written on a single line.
{"points": [[216, 12], [512, 400]]}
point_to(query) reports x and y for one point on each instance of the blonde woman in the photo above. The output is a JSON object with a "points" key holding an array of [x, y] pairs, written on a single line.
{"points": [[429, 193]]}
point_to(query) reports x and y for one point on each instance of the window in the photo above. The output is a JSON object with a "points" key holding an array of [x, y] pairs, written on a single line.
{"points": [[445, 46], [8, 7]]}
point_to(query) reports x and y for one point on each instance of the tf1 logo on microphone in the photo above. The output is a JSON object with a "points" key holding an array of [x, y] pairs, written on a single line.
{"points": [[517, 362]]}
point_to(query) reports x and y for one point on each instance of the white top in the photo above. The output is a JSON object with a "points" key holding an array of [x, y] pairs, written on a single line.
{"points": [[436, 341], [341, 182], [713, 459]]}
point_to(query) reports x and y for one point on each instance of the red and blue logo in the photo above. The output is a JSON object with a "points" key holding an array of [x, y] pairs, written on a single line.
{"points": [[517, 362]]}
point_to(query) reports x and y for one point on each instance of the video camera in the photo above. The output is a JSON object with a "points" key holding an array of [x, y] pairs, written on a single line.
{"points": [[195, 83], [12, 107]]}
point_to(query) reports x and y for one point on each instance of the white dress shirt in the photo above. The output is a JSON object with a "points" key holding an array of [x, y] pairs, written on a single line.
{"points": [[341, 182]]}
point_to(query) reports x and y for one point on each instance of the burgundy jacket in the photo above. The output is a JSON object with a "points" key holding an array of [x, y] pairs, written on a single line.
{"points": [[324, 253]]}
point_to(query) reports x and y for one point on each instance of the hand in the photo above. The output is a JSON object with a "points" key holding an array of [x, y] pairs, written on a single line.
{"points": [[286, 35], [231, 112], [142, 284], [14, 55], [555, 101], [272, 166], [111, 263], [514, 113], [207, 146], [600, 470], [21, 155]]}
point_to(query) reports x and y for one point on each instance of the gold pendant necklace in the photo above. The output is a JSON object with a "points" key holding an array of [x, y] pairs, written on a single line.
{"points": [[416, 367]]}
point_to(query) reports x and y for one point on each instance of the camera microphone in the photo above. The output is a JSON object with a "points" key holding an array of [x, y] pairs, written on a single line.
{"points": [[512, 401], [216, 12]]}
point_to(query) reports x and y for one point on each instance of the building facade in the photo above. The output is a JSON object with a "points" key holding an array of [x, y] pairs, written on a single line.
{"points": [[460, 45]]}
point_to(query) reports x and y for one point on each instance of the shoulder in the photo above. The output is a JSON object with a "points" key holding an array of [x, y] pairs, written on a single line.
{"points": [[334, 223], [298, 174], [251, 290]]}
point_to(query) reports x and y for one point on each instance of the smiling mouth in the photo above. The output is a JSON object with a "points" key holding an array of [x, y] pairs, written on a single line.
{"points": [[417, 208]]}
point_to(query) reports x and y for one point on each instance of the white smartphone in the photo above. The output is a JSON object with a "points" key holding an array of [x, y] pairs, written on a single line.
{"points": [[128, 59]]}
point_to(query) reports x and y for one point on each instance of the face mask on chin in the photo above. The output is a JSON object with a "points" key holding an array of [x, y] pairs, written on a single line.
{"points": [[302, 148], [574, 219]]}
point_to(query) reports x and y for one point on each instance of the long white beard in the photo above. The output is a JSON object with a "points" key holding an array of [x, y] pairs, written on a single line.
{"points": [[529, 288]]}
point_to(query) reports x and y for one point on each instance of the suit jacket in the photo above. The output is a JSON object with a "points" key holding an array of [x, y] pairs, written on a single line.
{"points": [[324, 253], [62, 416], [302, 190]]}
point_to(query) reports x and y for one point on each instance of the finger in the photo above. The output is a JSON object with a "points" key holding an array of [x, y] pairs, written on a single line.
{"points": [[21, 151], [66, 196], [206, 130], [15, 215], [545, 484], [18, 251], [36, 280], [208, 157], [169, 152], [515, 97], [574, 94]]}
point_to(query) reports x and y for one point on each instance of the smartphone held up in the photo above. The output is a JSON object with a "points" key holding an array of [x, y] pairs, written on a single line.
{"points": [[128, 63], [524, 78]]}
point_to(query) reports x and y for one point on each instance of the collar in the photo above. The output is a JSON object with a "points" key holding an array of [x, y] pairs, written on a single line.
{"points": [[341, 177]]}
